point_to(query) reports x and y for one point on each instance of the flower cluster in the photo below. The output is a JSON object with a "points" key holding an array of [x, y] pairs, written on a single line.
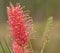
{"points": [[18, 22]]}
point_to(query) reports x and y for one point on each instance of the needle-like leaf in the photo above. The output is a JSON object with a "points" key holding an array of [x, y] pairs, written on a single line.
{"points": [[2, 47], [7, 45]]}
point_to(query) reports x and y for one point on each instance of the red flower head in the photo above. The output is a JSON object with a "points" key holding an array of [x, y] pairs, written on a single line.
{"points": [[18, 49], [18, 22]]}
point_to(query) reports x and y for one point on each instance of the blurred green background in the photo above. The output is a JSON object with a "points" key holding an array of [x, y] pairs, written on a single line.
{"points": [[40, 10]]}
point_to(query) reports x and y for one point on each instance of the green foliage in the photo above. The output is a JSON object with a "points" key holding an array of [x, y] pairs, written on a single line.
{"points": [[3, 49], [7, 45], [49, 25], [46, 36]]}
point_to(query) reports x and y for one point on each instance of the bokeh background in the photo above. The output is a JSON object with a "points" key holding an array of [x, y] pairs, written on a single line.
{"points": [[40, 10]]}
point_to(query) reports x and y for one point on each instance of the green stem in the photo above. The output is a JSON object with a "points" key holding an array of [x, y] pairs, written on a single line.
{"points": [[44, 44]]}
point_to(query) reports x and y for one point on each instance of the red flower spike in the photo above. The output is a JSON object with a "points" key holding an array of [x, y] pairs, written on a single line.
{"points": [[18, 49], [18, 25]]}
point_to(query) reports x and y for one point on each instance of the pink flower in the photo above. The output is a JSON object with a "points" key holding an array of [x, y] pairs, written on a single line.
{"points": [[18, 49], [17, 20]]}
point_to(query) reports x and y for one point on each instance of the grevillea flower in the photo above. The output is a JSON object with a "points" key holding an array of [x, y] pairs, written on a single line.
{"points": [[17, 20], [18, 49]]}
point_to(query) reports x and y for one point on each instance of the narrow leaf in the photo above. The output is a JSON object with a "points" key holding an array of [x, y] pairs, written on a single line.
{"points": [[7, 45], [2, 47]]}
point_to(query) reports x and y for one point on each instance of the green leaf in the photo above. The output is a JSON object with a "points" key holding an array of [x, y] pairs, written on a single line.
{"points": [[48, 27], [2, 47], [45, 37], [7, 46]]}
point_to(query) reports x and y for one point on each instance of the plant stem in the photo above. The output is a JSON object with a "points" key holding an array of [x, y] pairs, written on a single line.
{"points": [[44, 44]]}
